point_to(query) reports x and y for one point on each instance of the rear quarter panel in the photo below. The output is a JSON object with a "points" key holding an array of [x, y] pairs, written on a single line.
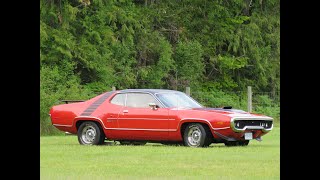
{"points": [[63, 116]]}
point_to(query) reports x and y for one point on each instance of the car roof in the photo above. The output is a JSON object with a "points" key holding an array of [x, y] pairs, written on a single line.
{"points": [[152, 91]]}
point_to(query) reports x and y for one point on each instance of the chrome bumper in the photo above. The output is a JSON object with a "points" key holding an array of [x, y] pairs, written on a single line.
{"points": [[235, 129]]}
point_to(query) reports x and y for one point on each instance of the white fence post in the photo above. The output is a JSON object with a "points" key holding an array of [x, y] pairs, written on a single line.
{"points": [[188, 91], [249, 99], [113, 88]]}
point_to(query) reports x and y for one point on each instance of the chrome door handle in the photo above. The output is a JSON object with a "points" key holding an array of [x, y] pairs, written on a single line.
{"points": [[125, 111]]}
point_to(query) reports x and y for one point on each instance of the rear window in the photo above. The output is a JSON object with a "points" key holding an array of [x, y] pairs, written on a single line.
{"points": [[118, 99]]}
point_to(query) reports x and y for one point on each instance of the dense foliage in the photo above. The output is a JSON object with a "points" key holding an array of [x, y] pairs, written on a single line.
{"points": [[88, 46]]}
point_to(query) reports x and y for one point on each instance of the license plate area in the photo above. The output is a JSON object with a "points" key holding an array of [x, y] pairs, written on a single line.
{"points": [[248, 135]]}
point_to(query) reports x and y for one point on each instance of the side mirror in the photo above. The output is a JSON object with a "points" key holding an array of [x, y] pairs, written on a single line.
{"points": [[153, 106]]}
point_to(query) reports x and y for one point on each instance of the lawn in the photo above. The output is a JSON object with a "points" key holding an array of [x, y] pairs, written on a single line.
{"points": [[61, 157]]}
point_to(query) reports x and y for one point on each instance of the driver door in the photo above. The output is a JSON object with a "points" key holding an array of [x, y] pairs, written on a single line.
{"points": [[140, 122]]}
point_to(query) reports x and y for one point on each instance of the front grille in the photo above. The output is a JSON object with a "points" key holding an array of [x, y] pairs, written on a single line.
{"points": [[240, 124]]}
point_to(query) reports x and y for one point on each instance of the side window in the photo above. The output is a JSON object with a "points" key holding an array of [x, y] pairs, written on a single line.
{"points": [[118, 99], [140, 100]]}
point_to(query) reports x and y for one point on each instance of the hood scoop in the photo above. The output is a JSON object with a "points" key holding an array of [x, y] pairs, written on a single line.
{"points": [[227, 107]]}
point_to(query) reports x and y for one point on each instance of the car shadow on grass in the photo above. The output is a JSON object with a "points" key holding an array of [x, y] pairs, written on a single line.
{"points": [[218, 145]]}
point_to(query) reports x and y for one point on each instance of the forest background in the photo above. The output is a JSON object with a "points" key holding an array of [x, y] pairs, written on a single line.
{"points": [[216, 47]]}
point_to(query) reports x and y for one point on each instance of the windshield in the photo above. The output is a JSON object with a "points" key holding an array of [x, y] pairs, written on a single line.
{"points": [[177, 100]]}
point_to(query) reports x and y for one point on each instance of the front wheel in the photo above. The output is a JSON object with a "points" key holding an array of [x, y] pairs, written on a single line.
{"points": [[195, 135], [89, 133]]}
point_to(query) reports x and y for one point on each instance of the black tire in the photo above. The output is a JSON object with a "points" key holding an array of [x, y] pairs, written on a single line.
{"points": [[89, 133], [237, 143], [244, 143], [196, 135], [231, 143]]}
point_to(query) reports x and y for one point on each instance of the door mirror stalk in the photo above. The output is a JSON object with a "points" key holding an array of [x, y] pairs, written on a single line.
{"points": [[153, 106]]}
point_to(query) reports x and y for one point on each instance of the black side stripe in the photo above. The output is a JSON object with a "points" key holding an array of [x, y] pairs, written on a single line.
{"points": [[96, 104]]}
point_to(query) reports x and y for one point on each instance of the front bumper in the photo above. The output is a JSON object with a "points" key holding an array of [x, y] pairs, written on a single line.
{"points": [[258, 126], [265, 124], [238, 136]]}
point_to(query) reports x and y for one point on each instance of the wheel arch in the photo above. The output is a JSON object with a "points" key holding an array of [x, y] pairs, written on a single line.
{"points": [[99, 135], [79, 120], [185, 122]]}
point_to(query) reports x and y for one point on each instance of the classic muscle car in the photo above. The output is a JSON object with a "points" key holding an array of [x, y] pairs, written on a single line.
{"points": [[137, 116]]}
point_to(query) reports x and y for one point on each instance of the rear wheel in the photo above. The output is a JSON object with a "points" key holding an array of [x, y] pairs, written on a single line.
{"points": [[89, 133], [196, 135]]}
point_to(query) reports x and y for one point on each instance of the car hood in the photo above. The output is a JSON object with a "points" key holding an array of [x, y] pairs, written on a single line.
{"points": [[227, 112], [221, 110]]}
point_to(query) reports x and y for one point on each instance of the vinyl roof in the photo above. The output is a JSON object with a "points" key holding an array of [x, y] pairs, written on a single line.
{"points": [[152, 91]]}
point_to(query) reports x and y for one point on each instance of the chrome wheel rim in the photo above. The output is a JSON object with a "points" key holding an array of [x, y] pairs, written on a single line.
{"points": [[88, 134], [194, 136]]}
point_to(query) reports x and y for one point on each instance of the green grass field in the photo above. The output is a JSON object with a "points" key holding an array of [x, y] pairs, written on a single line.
{"points": [[61, 157]]}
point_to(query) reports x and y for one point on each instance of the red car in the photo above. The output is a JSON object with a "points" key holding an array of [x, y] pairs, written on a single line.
{"points": [[137, 116]]}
